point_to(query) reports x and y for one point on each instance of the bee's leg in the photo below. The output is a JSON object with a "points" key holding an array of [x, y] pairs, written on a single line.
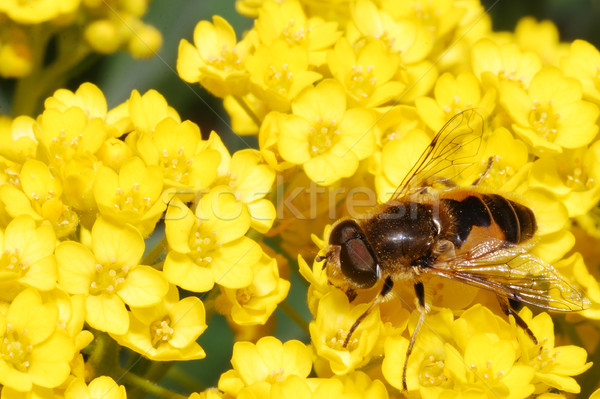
{"points": [[508, 306], [388, 284], [420, 291], [485, 172]]}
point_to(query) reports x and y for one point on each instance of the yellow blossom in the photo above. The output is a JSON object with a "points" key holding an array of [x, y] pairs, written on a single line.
{"points": [[541, 38], [210, 247], [278, 72], [99, 388], [40, 197], [27, 255], [109, 275], [188, 164], [268, 361], [255, 303], [554, 366], [131, 196], [504, 63], [38, 11], [452, 96], [366, 73], [324, 136], [34, 350], [582, 63], [216, 59], [335, 316], [288, 21], [16, 58], [166, 331], [246, 173], [550, 115]]}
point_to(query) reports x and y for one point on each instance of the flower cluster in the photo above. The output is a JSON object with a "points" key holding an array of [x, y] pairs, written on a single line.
{"points": [[347, 96], [70, 30], [82, 188], [128, 227]]}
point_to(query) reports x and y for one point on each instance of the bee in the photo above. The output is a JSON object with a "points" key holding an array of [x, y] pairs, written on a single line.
{"points": [[431, 226]]}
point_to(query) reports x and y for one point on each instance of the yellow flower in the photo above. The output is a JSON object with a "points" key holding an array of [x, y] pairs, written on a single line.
{"points": [[335, 316], [427, 369], [366, 73], [210, 247], [188, 164], [250, 179], [554, 366], [87, 97], [503, 63], [255, 303], [34, 350], [27, 255], [288, 21], [268, 361], [102, 387], [405, 37], [582, 63], [168, 330], [109, 275], [278, 72], [16, 57], [131, 196], [216, 59], [550, 115], [324, 136], [397, 158], [38, 11], [541, 38], [452, 96], [572, 176], [68, 134], [17, 140], [40, 197], [145, 112]]}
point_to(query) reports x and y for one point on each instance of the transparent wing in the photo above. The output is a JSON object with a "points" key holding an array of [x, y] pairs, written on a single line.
{"points": [[452, 150], [515, 274]]}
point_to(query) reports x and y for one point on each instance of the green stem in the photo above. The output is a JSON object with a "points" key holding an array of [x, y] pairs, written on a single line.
{"points": [[148, 386], [155, 252], [248, 110], [43, 80], [294, 315], [105, 357], [183, 379]]}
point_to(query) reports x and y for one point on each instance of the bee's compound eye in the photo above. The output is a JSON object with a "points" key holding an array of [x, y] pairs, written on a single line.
{"points": [[357, 263], [356, 258]]}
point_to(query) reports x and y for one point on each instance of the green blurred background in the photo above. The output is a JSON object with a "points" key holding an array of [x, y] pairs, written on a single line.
{"points": [[118, 74]]}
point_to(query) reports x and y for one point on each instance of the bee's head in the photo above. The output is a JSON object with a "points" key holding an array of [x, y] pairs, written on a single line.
{"points": [[350, 257]]}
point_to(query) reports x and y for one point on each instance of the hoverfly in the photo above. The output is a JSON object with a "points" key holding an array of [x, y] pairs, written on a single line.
{"points": [[431, 226]]}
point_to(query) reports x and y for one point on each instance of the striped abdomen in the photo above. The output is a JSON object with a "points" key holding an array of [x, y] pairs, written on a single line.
{"points": [[469, 216]]}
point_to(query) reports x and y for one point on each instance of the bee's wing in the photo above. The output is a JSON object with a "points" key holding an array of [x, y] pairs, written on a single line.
{"points": [[455, 145], [514, 273]]}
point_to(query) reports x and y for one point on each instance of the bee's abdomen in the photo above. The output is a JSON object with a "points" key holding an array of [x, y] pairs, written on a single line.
{"points": [[515, 220], [500, 217]]}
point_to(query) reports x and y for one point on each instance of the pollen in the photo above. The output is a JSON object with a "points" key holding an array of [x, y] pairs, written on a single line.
{"points": [[161, 331], [11, 262], [362, 81], [204, 243], [176, 166], [432, 372], [15, 349], [108, 280], [323, 135], [544, 120]]}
